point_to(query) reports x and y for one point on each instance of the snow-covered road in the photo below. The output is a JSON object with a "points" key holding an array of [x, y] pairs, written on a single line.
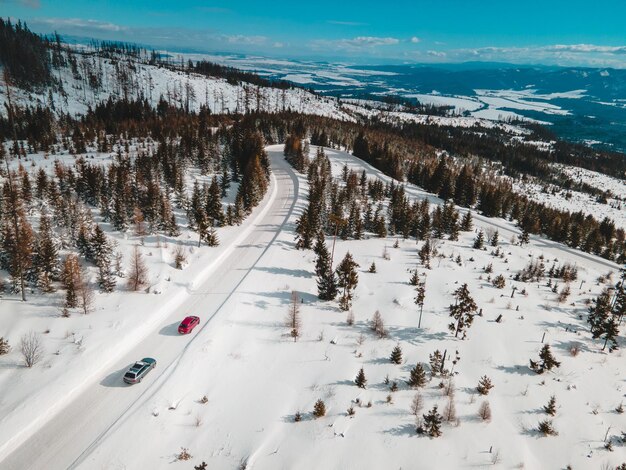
{"points": [[67, 438]]}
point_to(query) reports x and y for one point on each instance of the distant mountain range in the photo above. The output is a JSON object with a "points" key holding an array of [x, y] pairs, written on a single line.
{"points": [[581, 104]]}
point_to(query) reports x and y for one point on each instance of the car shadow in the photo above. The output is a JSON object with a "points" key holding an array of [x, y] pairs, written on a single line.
{"points": [[115, 379], [170, 330]]}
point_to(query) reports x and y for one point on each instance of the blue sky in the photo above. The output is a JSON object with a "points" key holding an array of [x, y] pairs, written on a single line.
{"points": [[573, 32]]}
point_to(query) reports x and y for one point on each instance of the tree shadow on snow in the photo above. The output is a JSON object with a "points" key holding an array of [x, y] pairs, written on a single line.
{"points": [[287, 272], [517, 369], [402, 430]]}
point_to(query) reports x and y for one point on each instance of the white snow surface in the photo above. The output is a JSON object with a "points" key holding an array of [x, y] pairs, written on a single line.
{"points": [[255, 377]]}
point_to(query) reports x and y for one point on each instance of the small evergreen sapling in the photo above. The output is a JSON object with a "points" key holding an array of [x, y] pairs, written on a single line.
{"points": [[546, 361], [479, 241], [417, 377], [396, 355], [319, 409], [546, 428], [372, 268], [484, 385], [550, 408], [432, 423], [360, 380]]}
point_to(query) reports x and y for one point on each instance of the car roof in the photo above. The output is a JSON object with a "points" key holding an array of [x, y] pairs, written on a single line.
{"points": [[189, 318]]}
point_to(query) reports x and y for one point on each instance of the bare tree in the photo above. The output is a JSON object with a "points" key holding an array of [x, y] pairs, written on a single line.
{"points": [[417, 404], [138, 276], [31, 348], [292, 321], [85, 295], [179, 256]]}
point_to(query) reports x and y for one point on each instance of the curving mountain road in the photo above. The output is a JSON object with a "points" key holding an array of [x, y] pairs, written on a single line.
{"points": [[68, 437]]}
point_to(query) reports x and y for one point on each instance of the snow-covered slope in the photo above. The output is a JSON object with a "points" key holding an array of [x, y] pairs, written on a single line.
{"points": [[130, 78], [255, 377]]}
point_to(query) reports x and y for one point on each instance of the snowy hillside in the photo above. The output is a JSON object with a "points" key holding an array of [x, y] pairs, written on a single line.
{"points": [[229, 396], [96, 79]]}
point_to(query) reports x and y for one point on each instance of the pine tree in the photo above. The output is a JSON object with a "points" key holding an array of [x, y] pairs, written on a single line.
{"points": [[319, 409], [524, 238], [432, 422], [102, 253], [225, 180], [424, 254], [326, 280], [17, 235], [420, 297], [417, 377], [484, 385], [372, 268], [479, 241], [436, 363], [550, 408], [347, 278], [603, 321], [462, 311], [396, 355], [467, 222], [70, 276], [360, 380], [546, 361], [213, 206], [494, 239], [415, 278], [46, 259]]}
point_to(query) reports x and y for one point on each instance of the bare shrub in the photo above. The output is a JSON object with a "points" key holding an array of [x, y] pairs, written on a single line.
{"points": [[350, 318], [417, 404], [4, 346], [484, 411], [183, 454], [449, 412], [31, 348], [377, 325], [198, 421], [85, 294], [179, 256], [574, 349]]}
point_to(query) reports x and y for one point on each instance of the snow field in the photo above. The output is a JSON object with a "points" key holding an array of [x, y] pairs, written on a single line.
{"points": [[255, 377]]}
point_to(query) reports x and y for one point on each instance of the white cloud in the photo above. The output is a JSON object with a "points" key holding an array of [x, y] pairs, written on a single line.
{"points": [[26, 3], [415, 39], [244, 40], [355, 44], [346, 23], [78, 24], [436, 53]]}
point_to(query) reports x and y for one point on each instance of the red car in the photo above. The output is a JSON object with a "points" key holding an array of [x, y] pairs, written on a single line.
{"points": [[188, 324]]}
